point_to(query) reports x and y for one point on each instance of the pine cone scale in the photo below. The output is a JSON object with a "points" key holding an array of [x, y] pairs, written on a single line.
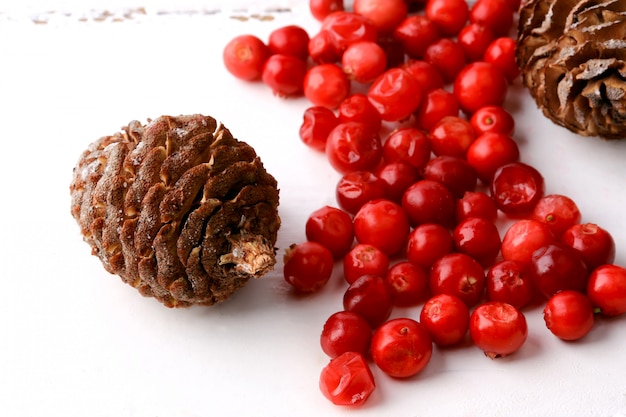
{"points": [[169, 267], [572, 55], [179, 199], [196, 273], [149, 220], [194, 228], [114, 219], [188, 156], [147, 175], [131, 260]]}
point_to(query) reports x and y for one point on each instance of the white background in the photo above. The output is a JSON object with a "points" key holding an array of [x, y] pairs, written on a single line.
{"points": [[75, 341]]}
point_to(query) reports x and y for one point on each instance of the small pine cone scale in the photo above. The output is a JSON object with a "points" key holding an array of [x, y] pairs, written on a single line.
{"points": [[178, 208], [572, 54]]}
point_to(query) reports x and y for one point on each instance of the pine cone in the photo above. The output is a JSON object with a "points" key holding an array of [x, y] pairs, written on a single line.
{"points": [[572, 54], [178, 208]]}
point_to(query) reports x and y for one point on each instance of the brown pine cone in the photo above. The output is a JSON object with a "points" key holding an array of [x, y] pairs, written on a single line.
{"points": [[572, 54], [178, 208]]}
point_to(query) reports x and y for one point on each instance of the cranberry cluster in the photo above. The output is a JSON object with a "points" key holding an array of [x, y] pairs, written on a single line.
{"points": [[407, 105]]}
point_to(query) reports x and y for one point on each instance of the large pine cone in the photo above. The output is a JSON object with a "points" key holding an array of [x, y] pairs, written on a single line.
{"points": [[572, 54], [178, 208]]}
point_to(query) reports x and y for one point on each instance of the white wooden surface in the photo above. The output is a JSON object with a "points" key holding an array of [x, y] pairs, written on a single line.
{"points": [[75, 341]]}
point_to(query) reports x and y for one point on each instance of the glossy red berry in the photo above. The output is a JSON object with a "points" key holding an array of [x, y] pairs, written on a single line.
{"points": [[452, 136], [416, 33], [476, 204], [501, 53], [357, 108], [480, 84], [397, 176], [347, 380], [524, 237], [371, 297], [426, 74], [401, 347], [459, 275], [453, 172], [493, 119], [289, 40], [558, 212], [557, 267], [346, 28], [436, 105], [352, 146], [322, 48], [475, 39], [307, 266], [447, 56], [364, 259], [595, 244], [490, 151], [478, 238], [408, 283], [395, 94], [516, 188], [356, 188], [385, 15], [607, 289], [382, 223], [429, 201], [326, 85], [448, 15], [569, 315], [495, 14], [408, 144], [446, 317], [364, 61], [284, 74], [244, 57], [498, 329], [320, 9], [509, 282], [317, 123], [345, 331], [332, 228], [427, 243]]}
